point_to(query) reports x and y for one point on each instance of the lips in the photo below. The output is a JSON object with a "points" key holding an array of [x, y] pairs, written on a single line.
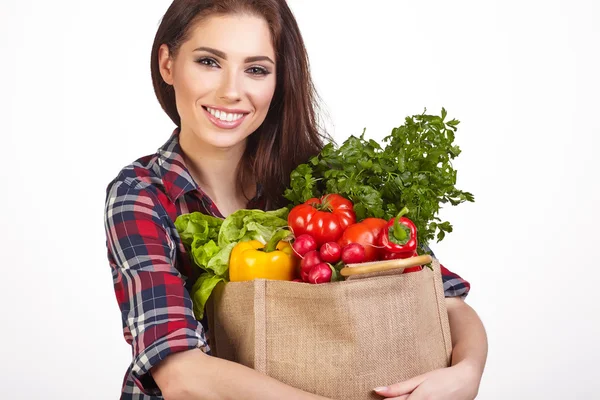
{"points": [[223, 119]]}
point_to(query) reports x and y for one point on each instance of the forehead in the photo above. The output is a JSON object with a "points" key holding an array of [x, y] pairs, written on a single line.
{"points": [[238, 35]]}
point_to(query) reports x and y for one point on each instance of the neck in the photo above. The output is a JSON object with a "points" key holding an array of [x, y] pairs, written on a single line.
{"points": [[215, 170]]}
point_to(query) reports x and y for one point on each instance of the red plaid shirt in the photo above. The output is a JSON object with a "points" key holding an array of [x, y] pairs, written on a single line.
{"points": [[152, 273]]}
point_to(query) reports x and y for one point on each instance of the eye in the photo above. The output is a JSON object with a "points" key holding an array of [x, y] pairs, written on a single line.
{"points": [[258, 70], [209, 62]]}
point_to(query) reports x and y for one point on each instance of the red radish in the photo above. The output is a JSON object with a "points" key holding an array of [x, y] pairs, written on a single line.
{"points": [[297, 280], [303, 244], [304, 276], [353, 253], [310, 259], [320, 273], [331, 252]]}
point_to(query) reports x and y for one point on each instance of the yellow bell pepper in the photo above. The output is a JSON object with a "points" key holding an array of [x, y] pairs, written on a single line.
{"points": [[250, 260]]}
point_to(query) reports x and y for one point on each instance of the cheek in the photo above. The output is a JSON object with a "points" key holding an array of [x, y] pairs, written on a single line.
{"points": [[263, 95], [191, 84]]}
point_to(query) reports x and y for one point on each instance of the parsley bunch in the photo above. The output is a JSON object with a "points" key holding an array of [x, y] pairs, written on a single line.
{"points": [[414, 169]]}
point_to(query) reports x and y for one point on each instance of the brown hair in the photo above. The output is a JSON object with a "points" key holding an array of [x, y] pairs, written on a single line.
{"points": [[290, 134]]}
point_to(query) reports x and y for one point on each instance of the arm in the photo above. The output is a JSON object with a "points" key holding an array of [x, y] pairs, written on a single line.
{"points": [[461, 380], [469, 339], [155, 307], [168, 343], [195, 375]]}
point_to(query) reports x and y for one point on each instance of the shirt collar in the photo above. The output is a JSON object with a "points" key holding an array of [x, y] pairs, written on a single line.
{"points": [[175, 176]]}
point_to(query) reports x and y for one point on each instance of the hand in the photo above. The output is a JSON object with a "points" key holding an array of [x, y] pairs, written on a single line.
{"points": [[458, 382]]}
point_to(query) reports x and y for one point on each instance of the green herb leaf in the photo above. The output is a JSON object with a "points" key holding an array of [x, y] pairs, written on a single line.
{"points": [[414, 169]]}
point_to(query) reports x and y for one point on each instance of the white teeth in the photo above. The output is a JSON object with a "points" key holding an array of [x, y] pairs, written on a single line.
{"points": [[223, 116]]}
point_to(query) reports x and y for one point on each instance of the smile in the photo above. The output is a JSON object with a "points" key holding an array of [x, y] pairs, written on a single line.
{"points": [[223, 119]]}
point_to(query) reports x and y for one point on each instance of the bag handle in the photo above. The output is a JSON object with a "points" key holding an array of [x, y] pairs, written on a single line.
{"points": [[380, 266]]}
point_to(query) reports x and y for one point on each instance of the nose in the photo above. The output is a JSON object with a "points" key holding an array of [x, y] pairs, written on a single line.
{"points": [[230, 89]]}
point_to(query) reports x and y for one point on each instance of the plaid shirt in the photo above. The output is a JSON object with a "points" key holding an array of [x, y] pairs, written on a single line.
{"points": [[152, 274]]}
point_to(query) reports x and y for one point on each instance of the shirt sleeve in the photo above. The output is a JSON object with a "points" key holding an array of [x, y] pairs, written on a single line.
{"points": [[454, 284], [156, 309]]}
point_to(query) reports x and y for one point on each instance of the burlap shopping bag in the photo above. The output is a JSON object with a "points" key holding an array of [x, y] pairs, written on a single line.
{"points": [[338, 340]]}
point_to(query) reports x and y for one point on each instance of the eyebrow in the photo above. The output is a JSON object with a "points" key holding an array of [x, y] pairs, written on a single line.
{"points": [[222, 55]]}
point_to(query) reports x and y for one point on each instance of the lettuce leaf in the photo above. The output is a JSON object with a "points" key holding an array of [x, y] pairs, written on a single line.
{"points": [[219, 263], [210, 240], [203, 253], [202, 290], [244, 225], [197, 227]]}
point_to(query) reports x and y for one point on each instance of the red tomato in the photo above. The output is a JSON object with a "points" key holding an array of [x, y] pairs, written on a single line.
{"points": [[365, 233], [324, 219]]}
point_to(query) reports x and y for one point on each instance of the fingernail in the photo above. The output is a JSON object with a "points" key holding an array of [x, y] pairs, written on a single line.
{"points": [[380, 388]]}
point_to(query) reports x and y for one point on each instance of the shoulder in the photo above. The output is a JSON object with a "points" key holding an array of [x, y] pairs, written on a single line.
{"points": [[140, 174], [137, 186]]}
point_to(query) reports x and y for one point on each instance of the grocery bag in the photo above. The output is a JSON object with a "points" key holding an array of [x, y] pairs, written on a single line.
{"points": [[341, 339]]}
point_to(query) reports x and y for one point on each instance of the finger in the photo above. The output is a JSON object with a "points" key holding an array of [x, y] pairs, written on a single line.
{"points": [[401, 388], [419, 393], [403, 397]]}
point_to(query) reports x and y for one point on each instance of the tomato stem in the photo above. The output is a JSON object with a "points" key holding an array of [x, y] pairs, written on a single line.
{"points": [[324, 205]]}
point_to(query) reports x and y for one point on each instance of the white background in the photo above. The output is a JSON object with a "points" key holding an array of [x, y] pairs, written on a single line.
{"points": [[76, 105]]}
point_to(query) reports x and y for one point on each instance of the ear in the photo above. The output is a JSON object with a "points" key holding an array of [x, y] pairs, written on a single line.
{"points": [[165, 64]]}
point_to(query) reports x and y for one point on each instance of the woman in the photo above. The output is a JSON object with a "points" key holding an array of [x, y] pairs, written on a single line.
{"points": [[233, 76]]}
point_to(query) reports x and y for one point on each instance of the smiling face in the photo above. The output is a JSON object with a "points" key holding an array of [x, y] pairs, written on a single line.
{"points": [[224, 79]]}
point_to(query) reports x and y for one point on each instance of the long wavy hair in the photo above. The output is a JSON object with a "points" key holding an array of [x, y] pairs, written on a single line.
{"points": [[291, 132]]}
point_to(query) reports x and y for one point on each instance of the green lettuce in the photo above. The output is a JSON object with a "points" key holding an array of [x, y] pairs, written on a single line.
{"points": [[244, 225], [219, 263], [197, 227], [203, 253], [202, 290], [210, 240]]}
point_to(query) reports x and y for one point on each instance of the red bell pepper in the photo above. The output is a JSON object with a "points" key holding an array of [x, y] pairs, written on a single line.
{"points": [[394, 256], [399, 237]]}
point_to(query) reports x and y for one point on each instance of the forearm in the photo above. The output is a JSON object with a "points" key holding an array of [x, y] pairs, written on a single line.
{"points": [[216, 379], [469, 339], [235, 381]]}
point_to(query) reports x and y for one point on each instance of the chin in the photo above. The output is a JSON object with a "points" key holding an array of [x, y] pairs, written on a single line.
{"points": [[223, 140]]}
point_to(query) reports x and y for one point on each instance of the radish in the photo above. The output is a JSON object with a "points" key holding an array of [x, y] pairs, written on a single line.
{"points": [[353, 253], [303, 244], [304, 276], [320, 273], [310, 259], [331, 252]]}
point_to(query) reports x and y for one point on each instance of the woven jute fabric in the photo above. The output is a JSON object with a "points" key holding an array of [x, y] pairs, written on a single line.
{"points": [[338, 340]]}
